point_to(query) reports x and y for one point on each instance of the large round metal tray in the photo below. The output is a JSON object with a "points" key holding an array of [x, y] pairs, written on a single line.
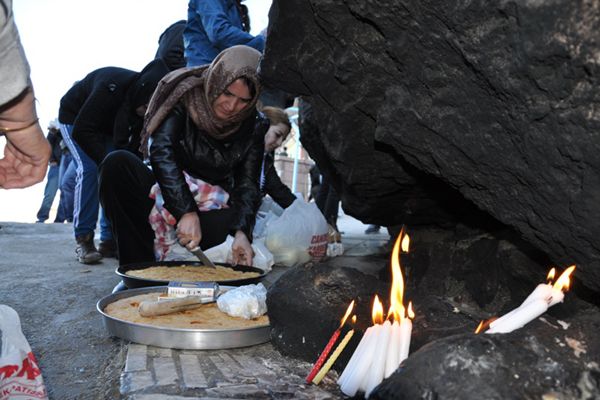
{"points": [[136, 282], [178, 338]]}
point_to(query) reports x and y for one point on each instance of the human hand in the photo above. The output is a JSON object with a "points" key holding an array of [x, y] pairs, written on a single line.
{"points": [[27, 151], [241, 249], [188, 230]]}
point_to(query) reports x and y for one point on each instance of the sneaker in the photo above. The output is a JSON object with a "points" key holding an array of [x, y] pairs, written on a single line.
{"points": [[86, 250], [108, 248], [371, 229]]}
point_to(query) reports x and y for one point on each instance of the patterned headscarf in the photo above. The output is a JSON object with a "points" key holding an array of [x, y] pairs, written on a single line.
{"points": [[197, 88]]}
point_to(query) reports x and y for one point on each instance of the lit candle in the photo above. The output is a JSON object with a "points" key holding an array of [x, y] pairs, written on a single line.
{"points": [[334, 356], [377, 370], [355, 378], [405, 333], [329, 346], [532, 307], [356, 356], [520, 316], [393, 357]]}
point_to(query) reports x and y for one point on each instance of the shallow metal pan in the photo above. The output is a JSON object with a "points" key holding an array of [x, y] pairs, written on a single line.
{"points": [[177, 338], [135, 282]]}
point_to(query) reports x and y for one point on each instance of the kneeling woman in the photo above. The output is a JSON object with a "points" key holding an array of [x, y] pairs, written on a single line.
{"points": [[205, 143]]}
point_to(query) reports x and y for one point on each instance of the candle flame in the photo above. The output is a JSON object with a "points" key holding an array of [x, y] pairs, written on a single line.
{"points": [[347, 314], [563, 282], [551, 275], [405, 243], [484, 325], [411, 313], [354, 320], [377, 312], [397, 289], [479, 327]]}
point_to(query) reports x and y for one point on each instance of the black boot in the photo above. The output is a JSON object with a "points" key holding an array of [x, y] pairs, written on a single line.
{"points": [[86, 250], [108, 248]]}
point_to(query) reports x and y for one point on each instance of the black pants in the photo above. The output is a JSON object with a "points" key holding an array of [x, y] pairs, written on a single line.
{"points": [[125, 183], [328, 201]]}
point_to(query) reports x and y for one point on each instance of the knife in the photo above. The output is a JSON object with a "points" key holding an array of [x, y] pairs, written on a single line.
{"points": [[197, 251]]}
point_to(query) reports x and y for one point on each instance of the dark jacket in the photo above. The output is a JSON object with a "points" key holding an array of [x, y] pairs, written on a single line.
{"points": [[233, 163], [103, 104], [91, 106], [272, 185], [54, 137], [170, 45]]}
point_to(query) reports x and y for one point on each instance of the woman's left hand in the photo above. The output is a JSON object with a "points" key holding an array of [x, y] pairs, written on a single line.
{"points": [[241, 249]]}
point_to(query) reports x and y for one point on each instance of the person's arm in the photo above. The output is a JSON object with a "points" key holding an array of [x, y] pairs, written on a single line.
{"points": [[245, 195], [27, 151], [220, 29], [274, 187], [178, 199]]}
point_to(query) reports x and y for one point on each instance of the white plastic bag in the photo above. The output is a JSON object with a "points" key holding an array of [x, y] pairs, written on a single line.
{"points": [[298, 235], [249, 301], [267, 212], [20, 376], [263, 258]]}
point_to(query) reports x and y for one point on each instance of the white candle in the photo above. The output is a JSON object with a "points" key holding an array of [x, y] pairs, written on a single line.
{"points": [[393, 357], [405, 332], [557, 296], [352, 383], [520, 316], [357, 355], [375, 373], [541, 291]]}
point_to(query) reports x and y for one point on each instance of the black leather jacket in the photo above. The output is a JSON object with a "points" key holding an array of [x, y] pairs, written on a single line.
{"points": [[233, 163]]}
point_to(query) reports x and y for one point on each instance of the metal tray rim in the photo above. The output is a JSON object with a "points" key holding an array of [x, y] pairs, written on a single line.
{"points": [[188, 338]]}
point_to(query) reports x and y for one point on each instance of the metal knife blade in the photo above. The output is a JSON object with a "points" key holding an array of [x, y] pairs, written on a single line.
{"points": [[197, 251]]}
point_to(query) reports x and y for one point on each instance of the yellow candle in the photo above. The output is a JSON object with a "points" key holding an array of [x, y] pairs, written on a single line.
{"points": [[317, 379]]}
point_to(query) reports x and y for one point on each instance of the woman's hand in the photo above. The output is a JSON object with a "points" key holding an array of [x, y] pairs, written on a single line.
{"points": [[241, 249], [188, 230]]}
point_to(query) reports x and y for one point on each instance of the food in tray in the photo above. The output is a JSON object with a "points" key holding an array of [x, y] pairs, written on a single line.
{"points": [[208, 316], [191, 273]]}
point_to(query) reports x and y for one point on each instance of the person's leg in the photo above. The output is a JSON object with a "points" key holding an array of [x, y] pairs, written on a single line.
{"points": [[107, 246], [61, 215], [67, 188], [49, 193], [86, 204], [125, 183]]}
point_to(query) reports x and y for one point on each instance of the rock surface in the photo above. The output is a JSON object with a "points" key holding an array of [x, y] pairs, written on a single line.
{"points": [[417, 108], [548, 359]]}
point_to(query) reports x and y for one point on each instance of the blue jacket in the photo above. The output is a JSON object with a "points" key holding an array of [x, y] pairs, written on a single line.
{"points": [[213, 26]]}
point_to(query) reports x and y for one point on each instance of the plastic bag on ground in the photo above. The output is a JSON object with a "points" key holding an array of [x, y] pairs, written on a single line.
{"points": [[299, 235], [20, 376], [249, 301]]}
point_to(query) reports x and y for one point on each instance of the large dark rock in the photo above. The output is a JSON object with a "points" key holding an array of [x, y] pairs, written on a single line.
{"points": [[546, 359], [307, 303], [497, 102]]}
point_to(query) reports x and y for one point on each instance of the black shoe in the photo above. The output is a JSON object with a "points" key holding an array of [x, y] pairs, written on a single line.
{"points": [[86, 250], [108, 248], [372, 229]]}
